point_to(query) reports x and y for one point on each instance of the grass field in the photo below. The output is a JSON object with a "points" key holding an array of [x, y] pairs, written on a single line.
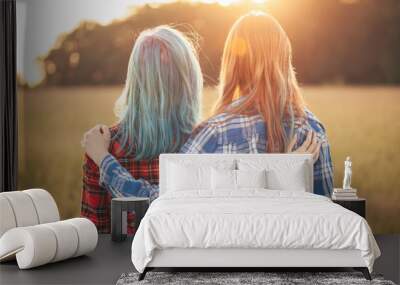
{"points": [[361, 122]]}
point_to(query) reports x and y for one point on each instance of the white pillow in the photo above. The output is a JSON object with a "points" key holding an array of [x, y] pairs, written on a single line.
{"points": [[227, 179], [223, 179], [183, 177], [185, 174], [290, 179], [281, 173], [251, 178]]}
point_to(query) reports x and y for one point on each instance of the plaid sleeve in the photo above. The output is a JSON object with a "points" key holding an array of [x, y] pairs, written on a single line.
{"points": [[95, 199], [203, 140], [323, 171], [323, 168], [120, 182]]}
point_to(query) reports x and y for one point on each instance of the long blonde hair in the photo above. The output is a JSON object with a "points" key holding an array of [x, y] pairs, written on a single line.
{"points": [[256, 63]]}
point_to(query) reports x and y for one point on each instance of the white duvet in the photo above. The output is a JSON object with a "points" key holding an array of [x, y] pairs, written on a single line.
{"points": [[250, 219]]}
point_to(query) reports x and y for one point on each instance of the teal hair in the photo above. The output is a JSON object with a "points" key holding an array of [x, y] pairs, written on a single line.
{"points": [[160, 104]]}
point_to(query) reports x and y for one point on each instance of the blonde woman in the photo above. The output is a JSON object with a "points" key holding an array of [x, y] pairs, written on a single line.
{"points": [[261, 108]]}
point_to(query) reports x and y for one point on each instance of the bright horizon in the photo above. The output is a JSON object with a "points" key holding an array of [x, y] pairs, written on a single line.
{"points": [[46, 20]]}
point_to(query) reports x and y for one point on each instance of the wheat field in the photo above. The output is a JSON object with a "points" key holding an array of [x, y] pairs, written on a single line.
{"points": [[361, 122]]}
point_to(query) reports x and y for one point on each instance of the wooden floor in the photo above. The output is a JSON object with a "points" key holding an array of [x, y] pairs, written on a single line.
{"points": [[110, 260]]}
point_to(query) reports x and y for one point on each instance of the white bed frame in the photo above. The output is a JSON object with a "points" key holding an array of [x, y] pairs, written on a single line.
{"points": [[250, 258]]}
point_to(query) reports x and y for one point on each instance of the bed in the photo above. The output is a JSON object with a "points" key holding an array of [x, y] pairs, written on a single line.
{"points": [[246, 211]]}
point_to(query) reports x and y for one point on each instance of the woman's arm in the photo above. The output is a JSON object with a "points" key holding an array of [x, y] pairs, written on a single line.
{"points": [[323, 171], [115, 178], [121, 183]]}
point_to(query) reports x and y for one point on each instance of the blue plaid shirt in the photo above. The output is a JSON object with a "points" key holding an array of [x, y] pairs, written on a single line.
{"points": [[226, 133]]}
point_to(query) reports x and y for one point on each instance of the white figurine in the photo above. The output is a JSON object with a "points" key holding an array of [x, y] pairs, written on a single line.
{"points": [[347, 174]]}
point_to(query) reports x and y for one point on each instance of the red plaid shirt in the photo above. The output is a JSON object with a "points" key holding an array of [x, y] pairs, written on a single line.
{"points": [[96, 200]]}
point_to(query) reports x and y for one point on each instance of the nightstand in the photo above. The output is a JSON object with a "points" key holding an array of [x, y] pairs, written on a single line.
{"points": [[119, 214], [357, 205]]}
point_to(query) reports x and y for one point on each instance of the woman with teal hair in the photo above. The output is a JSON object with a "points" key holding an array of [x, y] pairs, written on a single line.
{"points": [[157, 111]]}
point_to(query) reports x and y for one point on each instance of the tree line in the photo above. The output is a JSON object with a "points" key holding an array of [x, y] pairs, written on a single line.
{"points": [[334, 41]]}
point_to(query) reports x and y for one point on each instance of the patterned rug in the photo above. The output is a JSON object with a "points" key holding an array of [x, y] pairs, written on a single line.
{"points": [[244, 278]]}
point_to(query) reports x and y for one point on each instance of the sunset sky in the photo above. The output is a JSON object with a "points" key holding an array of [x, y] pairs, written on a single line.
{"points": [[40, 22]]}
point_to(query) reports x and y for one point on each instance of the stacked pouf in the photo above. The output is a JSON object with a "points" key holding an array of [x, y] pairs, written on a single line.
{"points": [[31, 230]]}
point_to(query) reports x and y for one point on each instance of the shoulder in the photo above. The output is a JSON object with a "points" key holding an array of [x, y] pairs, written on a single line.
{"points": [[202, 137], [211, 125], [219, 128], [223, 128], [314, 122], [116, 148], [224, 122], [311, 123]]}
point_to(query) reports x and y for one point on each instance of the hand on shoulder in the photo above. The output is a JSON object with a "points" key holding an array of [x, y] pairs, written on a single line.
{"points": [[310, 145], [96, 143]]}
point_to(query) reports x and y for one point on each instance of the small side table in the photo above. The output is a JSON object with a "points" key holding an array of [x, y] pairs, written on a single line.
{"points": [[119, 214], [358, 205]]}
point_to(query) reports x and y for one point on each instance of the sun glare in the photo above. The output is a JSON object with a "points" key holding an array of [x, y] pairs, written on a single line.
{"points": [[226, 2], [230, 2], [221, 2]]}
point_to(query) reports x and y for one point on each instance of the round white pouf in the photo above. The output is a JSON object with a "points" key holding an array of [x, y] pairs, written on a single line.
{"points": [[46, 207], [40, 244], [26, 208], [7, 218], [23, 208], [87, 234], [33, 246], [67, 240]]}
